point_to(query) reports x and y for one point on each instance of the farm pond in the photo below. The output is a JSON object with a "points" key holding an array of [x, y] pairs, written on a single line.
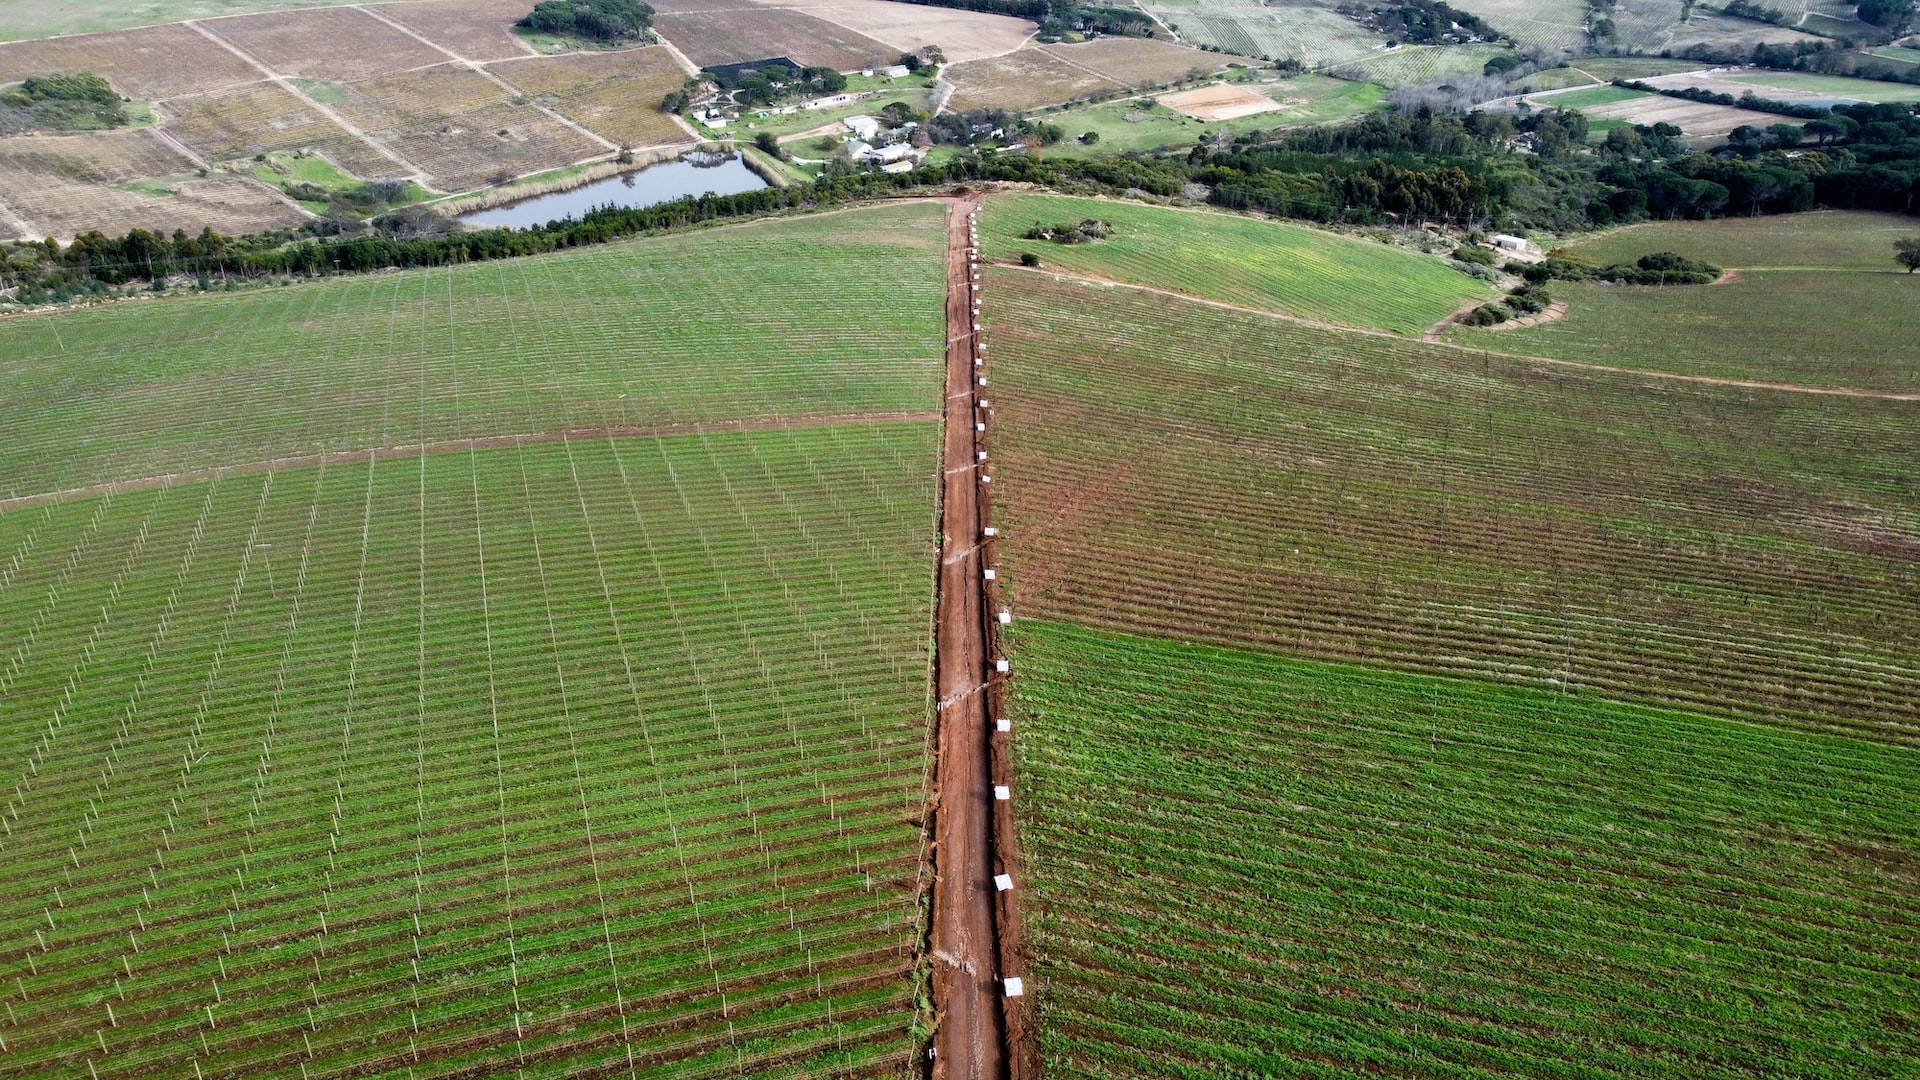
{"points": [[692, 174]]}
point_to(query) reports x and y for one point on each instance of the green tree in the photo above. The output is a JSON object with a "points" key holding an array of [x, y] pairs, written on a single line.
{"points": [[769, 143], [1906, 252]]}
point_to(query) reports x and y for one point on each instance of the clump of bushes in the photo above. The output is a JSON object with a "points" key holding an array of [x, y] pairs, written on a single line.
{"points": [[1088, 230], [58, 102], [1659, 268], [1528, 299], [1028, 258], [1486, 315], [1473, 254]]}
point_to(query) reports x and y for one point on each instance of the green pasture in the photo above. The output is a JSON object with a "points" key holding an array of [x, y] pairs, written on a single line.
{"points": [[1142, 124], [1267, 264], [1589, 96]]}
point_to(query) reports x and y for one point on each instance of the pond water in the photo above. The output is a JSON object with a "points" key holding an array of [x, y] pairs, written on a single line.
{"points": [[664, 182]]}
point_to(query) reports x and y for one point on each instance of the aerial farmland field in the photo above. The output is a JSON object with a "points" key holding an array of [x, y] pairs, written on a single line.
{"points": [[1307, 273], [1246, 865], [1814, 299], [565, 711], [240, 364], [1216, 475], [1662, 782]]}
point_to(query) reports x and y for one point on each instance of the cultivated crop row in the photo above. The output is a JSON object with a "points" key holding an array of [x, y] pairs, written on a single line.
{"points": [[590, 752], [1242, 863], [808, 318], [1337, 495]]}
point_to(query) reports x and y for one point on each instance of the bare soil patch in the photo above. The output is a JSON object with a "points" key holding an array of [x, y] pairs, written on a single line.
{"points": [[1219, 102]]}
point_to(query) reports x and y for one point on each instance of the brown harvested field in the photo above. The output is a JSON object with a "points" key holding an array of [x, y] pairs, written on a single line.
{"points": [[1218, 102], [247, 120], [473, 29], [1139, 62], [730, 37], [961, 35], [339, 44], [386, 104], [61, 185], [615, 94], [1027, 79], [1695, 120], [148, 64], [474, 149], [448, 120]]}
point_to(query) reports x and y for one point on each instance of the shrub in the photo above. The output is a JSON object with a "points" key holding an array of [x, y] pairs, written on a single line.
{"points": [[1028, 258], [1485, 315]]}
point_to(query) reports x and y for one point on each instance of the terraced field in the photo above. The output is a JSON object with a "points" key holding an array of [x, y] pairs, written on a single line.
{"points": [[1817, 300], [1244, 865], [1302, 272], [1210, 475], [226, 379], [596, 749]]}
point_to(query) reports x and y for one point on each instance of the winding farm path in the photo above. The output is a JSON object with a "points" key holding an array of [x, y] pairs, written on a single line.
{"points": [[970, 1037]]}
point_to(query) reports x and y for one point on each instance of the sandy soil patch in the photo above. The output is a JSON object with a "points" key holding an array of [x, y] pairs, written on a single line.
{"points": [[1219, 102]]}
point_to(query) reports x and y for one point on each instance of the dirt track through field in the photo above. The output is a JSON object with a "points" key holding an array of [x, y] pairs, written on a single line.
{"points": [[970, 1040], [488, 442]]}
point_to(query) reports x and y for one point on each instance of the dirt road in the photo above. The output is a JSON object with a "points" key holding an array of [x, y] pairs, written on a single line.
{"points": [[970, 1041]]}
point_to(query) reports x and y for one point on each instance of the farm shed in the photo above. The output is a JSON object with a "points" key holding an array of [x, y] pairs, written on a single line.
{"points": [[866, 127], [1509, 242]]}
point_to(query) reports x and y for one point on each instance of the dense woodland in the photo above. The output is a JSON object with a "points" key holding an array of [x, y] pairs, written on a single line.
{"points": [[1412, 169], [608, 22]]}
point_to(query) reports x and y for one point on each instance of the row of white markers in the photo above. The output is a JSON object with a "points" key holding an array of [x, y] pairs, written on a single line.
{"points": [[1001, 793]]}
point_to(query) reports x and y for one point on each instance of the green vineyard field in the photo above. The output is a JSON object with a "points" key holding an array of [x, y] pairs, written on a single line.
{"points": [[551, 757], [1240, 865], [1306, 273], [1204, 474], [831, 314], [587, 737]]}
